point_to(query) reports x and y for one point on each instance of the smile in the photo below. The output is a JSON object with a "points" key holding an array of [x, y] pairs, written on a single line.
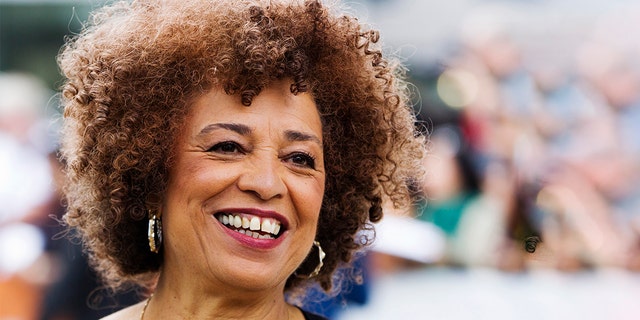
{"points": [[251, 226]]}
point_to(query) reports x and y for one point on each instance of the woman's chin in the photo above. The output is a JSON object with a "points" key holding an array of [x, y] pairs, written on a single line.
{"points": [[252, 280]]}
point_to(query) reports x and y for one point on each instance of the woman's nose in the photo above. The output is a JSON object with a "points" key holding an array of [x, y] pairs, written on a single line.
{"points": [[263, 177]]}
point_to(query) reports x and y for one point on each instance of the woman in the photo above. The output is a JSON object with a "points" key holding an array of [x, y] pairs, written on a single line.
{"points": [[224, 153]]}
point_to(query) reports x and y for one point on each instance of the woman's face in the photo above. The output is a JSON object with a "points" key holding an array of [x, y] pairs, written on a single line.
{"points": [[245, 190]]}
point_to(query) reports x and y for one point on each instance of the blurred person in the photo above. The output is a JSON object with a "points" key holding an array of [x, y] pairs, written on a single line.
{"points": [[214, 149], [611, 163], [449, 186], [486, 236], [476, 213], [576, 225], [501, 123], [568, 107], [490, 48], [616, 77], [513, 99], [27, 193], [26, 172], [498, 115]]}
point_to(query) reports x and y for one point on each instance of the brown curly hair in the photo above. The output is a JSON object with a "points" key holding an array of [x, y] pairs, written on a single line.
{"points": [[134, 69]]}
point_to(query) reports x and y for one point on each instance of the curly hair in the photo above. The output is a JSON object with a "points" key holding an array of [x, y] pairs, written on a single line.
{"points": [[134, 69]]}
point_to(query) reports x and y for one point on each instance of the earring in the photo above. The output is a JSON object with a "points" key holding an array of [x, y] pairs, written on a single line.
{"points": [[315, 271], [154, 232], [321, 256]]}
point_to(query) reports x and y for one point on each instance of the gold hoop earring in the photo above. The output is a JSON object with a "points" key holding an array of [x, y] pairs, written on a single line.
{"points": [[155, 232], [321, 256], [316, 271]]}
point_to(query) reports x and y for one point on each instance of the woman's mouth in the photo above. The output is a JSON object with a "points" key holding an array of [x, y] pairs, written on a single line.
{"points": [[250, 225]]}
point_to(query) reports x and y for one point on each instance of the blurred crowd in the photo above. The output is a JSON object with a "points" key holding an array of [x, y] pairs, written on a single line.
{"points": [[539, 165]]}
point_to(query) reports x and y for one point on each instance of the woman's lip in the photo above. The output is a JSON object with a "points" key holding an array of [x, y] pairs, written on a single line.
{"points": [[252, 242], [284, 222]]}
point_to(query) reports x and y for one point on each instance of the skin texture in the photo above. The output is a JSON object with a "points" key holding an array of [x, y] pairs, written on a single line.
{"points": [[133, 77]]}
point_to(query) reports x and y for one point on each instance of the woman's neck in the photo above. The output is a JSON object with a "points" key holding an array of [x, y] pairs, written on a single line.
{"points": [[189, 299]]}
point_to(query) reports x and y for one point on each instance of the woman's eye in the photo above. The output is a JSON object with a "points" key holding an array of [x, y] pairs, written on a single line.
{"points": [[303, 160], [226, 147]]}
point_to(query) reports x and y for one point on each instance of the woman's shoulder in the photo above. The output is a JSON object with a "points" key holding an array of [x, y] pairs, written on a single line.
{"points": [[129, 313]]}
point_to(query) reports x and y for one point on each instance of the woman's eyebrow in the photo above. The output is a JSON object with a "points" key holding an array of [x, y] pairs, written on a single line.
{"points": [[236, 127], [293, 135]]}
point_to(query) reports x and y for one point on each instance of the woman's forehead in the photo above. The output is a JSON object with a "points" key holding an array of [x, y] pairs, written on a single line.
{"points": [[275, 104]]}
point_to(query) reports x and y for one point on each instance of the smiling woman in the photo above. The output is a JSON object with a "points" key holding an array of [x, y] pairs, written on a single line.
{"points": [[222, 153], [248, 168]]}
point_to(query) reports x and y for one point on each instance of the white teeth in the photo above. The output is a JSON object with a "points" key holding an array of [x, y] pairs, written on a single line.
{"points": [[255, 223], [245, 223], [237, 222], [266, 226], [276, 228]]}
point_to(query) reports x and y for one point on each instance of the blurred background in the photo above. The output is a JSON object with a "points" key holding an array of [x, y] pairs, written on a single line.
{"points": [[532, 204]]}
